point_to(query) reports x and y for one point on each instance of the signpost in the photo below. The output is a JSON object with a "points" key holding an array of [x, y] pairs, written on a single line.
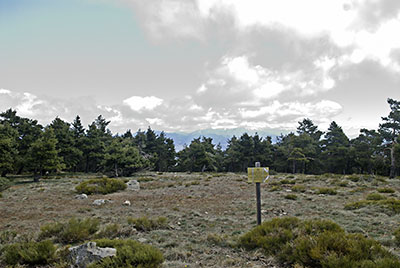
{"points": [[258, 175]]}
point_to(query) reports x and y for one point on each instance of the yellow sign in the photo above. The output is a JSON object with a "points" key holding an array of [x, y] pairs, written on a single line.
{"points": [[258, 174]]}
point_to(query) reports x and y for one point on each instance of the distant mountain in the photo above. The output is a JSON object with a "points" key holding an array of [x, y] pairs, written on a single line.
{"points": [[220, 136]]}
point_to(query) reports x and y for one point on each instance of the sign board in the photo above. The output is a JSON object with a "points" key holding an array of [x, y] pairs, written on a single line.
{"points": [[258, 174]]}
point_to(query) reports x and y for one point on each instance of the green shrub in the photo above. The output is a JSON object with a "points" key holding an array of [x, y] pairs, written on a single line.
{"points": [[130, 253], [75, 230], [343, 184], [357, 204], [291, 196], [4, 183], [275, 188], [375, 196], [390, 205], [299, 188], [7, 236], [354, 178], [326, 190], [31, 253], [397, 236], [216, 239], [286, 181], [110, 231], [146, 224], [316, 243], [386, 190], [100, 186]]}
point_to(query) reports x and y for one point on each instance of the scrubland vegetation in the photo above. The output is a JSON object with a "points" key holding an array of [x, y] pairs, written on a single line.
{"points": [[173, 222]]}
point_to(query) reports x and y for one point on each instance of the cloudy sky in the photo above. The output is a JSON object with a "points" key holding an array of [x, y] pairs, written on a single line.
{"points": [[185, 65]]}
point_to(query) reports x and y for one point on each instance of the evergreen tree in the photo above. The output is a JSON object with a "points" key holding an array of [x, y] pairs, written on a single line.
{"points": [[43, 155], [367, 151], [66, 143], [79, 138], [8, 148], [336, 149], [28, 132], [122, 157], [390, 131]]}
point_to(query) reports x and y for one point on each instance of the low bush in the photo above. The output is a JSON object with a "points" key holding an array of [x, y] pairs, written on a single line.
{"points": [[275, 188], [100, 186], [299, 188], [326, 190], [215, 239], [286, 181], [354, 178], [316, 243], [146, 224], [397, 236], [75, 230], [390, 205], [291, 196], [110, 231], [375, 196], [4, 183], [130, 253], [386, 190], [31, 253], [7, 236], [357, 204]]}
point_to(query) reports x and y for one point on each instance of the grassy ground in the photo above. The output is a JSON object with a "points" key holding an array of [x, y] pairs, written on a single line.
{"points": [[206, 212]]}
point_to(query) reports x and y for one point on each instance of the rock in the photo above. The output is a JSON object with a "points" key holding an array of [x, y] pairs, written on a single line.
{"points": [[127, 203], [99, 202], [142, 240], [133, 185], [85, 254], [81, 196]]}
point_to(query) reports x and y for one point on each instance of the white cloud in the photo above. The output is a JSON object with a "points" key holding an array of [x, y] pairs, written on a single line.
{"points": [[137, 103], [155, 121], [27, 105], [321, 109], [5, 91]]}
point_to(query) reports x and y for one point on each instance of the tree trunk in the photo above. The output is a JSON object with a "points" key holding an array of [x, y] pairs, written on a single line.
{"points": [[294, 166], [116, 169], [392, 162]]}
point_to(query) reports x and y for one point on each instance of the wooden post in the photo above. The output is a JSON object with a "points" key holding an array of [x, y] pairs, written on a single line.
{"points": [[258, 195]]}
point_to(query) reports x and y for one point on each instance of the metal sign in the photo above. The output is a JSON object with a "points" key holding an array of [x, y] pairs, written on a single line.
{"points": [[258, 174]]}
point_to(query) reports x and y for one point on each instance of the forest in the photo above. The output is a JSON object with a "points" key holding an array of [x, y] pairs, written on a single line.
{"points": [[26, 147]]}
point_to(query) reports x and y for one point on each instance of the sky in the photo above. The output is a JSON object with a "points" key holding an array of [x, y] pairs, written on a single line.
{"points": [[186, 65]]}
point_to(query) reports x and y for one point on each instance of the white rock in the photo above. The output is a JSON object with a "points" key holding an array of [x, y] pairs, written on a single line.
{"points": [[127, 203], [81, 196], [142, 240], [85, 254], [133, 185], [99, 202]]}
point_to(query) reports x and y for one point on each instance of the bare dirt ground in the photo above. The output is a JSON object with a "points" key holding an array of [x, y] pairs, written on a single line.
{"points": [[206, 212]]}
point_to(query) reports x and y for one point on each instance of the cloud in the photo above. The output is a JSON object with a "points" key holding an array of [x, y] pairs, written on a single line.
{"points": [[238, 82], [361, 28], [137, 103]]}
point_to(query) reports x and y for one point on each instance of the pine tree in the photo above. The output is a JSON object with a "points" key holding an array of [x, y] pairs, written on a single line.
{"points": [[390, 131], [43, 155], [8, 148]]}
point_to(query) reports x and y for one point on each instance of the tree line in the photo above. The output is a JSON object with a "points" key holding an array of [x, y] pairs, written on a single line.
{"points": [[27, 146]]}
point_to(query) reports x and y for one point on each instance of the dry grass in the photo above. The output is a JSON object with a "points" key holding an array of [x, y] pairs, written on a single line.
{"points": [[206, 213]]}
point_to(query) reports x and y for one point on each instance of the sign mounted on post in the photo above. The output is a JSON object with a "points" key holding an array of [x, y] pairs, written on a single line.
{"points": [[258, 174]]}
